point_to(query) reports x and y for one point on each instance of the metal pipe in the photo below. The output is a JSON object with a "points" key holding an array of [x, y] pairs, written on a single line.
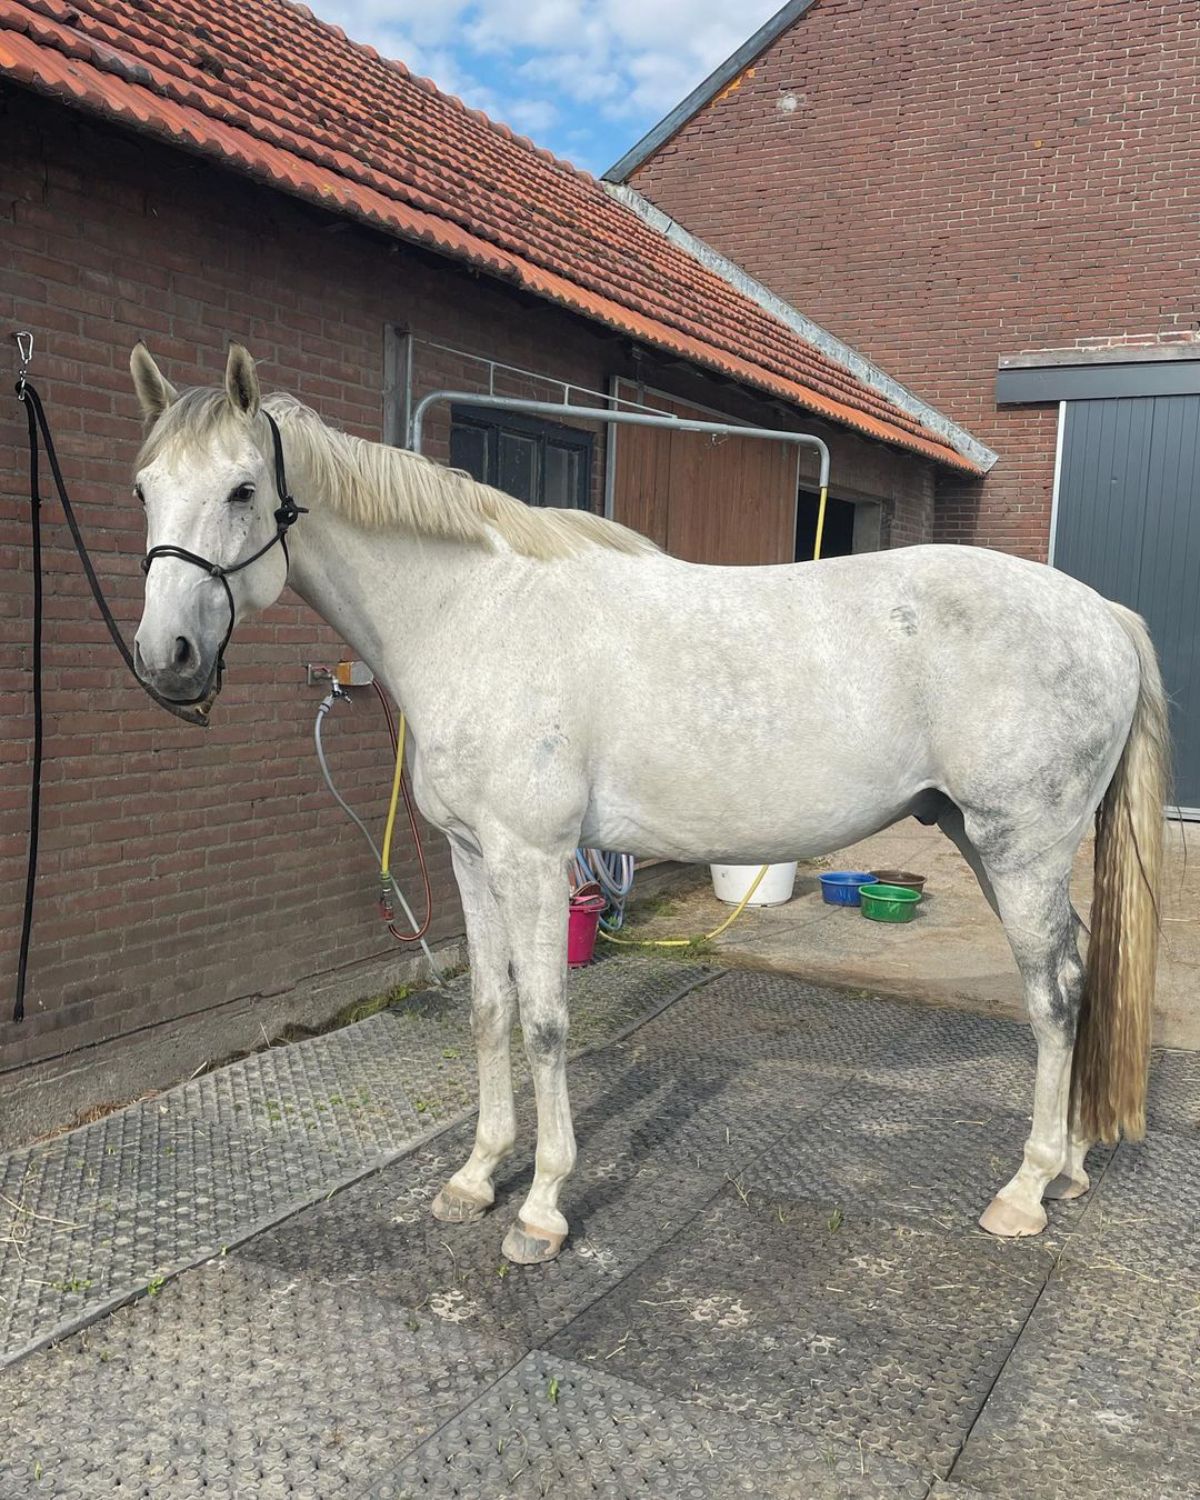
{"points": [[627, 418]]}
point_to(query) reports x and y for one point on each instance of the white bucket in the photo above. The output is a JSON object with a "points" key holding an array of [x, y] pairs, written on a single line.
{"points": [[731, 882]]}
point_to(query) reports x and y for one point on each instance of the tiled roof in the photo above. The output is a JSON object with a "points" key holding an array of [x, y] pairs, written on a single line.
{"points": [[269, 90]]}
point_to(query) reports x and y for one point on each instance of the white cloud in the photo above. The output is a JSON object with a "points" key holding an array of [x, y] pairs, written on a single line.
{"points": [[422, 23], [572, 74], [533, 116], [502, 25]]}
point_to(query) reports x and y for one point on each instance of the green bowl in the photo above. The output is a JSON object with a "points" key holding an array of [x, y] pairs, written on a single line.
{"points": [[889, 903]]}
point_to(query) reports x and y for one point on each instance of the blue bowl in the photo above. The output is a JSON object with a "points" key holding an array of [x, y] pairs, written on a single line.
{"points": [[841, 887]]}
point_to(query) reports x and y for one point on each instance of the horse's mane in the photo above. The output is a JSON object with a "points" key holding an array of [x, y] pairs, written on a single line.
{"points": [[375, 486]]}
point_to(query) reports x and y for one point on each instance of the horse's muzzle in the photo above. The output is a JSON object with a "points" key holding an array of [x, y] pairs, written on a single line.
{"points": [[188, 680]]}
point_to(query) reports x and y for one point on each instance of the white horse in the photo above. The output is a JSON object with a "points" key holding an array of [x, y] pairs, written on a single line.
{"points": [[734, 715]]}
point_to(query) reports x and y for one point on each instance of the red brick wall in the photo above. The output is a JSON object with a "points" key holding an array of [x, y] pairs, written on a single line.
{"points": [[181, 869], [946, 182]]}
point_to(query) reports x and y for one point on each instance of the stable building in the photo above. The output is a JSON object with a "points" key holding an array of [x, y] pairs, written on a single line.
{"points": [[186, 174]]}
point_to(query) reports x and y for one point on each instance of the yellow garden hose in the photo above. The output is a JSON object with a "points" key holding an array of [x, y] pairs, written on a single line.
{"points": [[754, 884], [687, 942], [821, 504], [386, 854]]}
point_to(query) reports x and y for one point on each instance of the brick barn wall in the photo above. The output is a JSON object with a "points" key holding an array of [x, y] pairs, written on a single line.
{"points": [[943, 183], [183, 870]]}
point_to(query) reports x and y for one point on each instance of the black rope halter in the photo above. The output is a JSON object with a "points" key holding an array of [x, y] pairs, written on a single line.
{"points": [[286, 517]]}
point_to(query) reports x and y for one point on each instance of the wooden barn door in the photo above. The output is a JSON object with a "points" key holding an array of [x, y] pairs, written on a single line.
{"points": [[729, 501]]}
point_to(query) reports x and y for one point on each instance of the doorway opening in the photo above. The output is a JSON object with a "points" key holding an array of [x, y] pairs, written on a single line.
{"points": [[838, 540]]}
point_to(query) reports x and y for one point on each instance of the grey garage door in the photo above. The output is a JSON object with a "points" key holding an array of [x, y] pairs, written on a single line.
{"points": [[1127, 523]]}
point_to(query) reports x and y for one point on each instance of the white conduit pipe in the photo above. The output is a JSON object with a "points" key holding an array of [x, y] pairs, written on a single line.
{"points": [[326, 704]]}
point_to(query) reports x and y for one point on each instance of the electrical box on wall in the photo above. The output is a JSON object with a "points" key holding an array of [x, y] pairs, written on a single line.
{"points": [[353, 674], [346, 674]]}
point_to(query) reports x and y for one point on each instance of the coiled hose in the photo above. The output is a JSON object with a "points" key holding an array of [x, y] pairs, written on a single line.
{"points": [[613, 873]]}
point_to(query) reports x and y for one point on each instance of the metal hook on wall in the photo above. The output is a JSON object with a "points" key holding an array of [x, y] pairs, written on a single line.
{"points": [[25, 354]]}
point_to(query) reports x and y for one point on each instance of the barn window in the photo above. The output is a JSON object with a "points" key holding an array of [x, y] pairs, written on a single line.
{"points": [[541, 463]]}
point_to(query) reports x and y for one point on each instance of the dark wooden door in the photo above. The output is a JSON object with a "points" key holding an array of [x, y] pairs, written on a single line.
{"points": [[1128, 523]]}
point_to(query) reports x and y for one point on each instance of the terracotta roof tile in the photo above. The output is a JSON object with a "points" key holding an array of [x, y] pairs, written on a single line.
{"points": [[273, 92]]}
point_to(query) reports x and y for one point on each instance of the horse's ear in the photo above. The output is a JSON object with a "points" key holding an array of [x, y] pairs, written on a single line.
{"points": [[154, 390], [241, 381]]}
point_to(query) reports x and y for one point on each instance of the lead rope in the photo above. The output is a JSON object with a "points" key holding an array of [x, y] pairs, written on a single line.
{"points": [[35, 795], [35, 415]]}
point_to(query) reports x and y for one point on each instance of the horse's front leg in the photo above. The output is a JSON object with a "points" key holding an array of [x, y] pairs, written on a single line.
{"points": [[470, 1193], [531, 888]]}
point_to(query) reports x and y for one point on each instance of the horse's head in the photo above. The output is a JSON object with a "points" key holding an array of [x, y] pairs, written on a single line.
{"points": [[207, 479]]}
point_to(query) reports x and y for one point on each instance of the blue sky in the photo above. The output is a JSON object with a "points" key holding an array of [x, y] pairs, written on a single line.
{"points": [[585, 78]]}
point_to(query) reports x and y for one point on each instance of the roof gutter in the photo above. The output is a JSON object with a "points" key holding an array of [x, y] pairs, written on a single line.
{"points": [[954, 436]]}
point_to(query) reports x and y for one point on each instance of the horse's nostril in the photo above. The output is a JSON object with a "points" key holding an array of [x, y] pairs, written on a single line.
{"points": [[183, 651]]}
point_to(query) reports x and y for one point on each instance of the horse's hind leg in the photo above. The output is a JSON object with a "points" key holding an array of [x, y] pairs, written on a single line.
{"points": [[469, 1193], [1072, 1181], [1035, 906]]}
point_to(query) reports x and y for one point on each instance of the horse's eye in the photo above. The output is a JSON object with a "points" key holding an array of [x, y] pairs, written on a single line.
{"points": [[139, 494], [243, 492]]}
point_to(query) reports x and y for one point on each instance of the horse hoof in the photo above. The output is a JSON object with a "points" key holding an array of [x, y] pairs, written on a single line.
{"points": [[1065, 1186], [458, 1208], [1009, 1220], [526, 1246]]}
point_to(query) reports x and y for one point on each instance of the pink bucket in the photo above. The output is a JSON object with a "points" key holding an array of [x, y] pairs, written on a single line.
{"points": [[583, 922]]}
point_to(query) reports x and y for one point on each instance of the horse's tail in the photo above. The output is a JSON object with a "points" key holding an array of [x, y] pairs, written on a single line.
{"points": [[1112, 1049]]}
